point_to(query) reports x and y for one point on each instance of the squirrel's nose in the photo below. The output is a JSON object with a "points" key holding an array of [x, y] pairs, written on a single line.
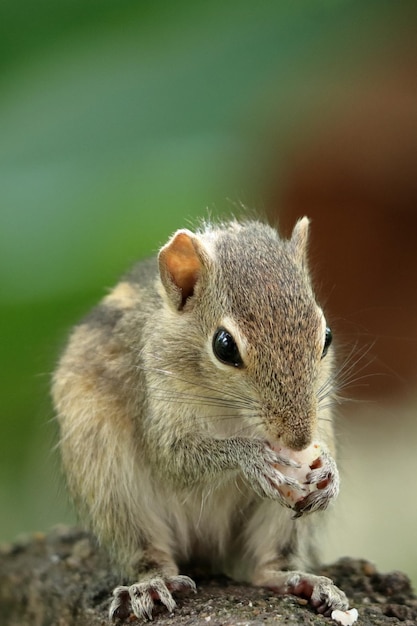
{"points": [[298, 440], [299, 443]]}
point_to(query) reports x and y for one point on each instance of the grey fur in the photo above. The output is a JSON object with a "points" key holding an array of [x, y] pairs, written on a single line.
{"points": [[167, 451]]}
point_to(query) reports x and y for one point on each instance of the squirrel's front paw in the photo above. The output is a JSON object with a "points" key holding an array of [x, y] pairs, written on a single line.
{"points": [[139, 598], [259, 466], [324, 476]]}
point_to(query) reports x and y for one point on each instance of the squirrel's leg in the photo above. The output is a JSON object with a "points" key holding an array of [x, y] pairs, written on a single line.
{"points": [[115, 493], [158, 579], [281, 558]]}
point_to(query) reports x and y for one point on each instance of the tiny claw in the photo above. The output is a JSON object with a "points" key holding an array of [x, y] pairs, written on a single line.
{"points": [[317, 476], [120, 606], [301, 507], [181, 582], [316, 463], [324, 483]]}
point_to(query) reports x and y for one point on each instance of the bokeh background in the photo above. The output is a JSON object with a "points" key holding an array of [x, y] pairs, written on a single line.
{"points": [[121, 121]]}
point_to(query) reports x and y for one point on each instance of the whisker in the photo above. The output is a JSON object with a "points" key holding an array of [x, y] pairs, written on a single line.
{"points": [[196, 400], [329, 405], [350, 364], [247, 427], [346, 374], [225, 390], [199, 400]]}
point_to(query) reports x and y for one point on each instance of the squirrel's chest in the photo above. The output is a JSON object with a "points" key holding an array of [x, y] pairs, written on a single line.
{"points": [[206, 522]]}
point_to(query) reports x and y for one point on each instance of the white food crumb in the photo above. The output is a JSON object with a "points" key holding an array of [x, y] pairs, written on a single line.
{"points": [[346, 618]]}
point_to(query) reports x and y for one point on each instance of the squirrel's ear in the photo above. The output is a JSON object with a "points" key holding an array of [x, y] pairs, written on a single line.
{"points": [[180, 266], [299, 240]]}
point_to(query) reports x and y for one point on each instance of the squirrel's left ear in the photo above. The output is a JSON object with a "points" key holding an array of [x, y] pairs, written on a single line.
{"points": [[299, 240], [180, 266]]}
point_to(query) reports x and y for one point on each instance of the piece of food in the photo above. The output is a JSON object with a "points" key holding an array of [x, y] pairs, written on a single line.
{"points": [[345, 618], [308, 460]]}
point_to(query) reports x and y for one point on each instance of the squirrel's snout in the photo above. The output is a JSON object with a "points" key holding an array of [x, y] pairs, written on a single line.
{"points": [[292, 430], [298, 427], [297, 438], [298, 444]]}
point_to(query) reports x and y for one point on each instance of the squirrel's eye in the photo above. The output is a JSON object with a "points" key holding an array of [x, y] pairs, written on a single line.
{"points": [[327, 341], [225, 348]]}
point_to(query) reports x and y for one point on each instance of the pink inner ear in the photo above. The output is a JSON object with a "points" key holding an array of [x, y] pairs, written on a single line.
{"points": [[185, 277], [182, 264]]}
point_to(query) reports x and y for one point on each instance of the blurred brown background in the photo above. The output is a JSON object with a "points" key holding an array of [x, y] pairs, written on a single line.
{"points": [[122, 121], [355, 176], [354, 172]]}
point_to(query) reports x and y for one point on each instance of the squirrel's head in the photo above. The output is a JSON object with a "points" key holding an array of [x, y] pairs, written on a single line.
{"points": [[243, 319]]}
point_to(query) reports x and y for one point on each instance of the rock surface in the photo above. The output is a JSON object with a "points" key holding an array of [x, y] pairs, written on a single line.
{"points": [[62, 579]]}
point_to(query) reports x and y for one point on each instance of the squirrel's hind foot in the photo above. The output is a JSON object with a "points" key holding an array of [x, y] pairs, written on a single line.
{"points": [[321, 592], [140, 598]]}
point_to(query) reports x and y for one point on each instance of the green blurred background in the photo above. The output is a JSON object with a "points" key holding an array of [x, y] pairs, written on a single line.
{"points": [[121, 121]]}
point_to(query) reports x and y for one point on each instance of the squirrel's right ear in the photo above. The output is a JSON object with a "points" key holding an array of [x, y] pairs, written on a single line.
{"points": [[299, 240], [180, 266]]}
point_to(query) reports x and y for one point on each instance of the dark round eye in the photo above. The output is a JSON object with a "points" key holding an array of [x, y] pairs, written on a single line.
{"points": [[327, 341], [225, 348]]}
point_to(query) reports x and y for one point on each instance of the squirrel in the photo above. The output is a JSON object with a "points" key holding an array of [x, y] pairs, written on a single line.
{"points": [[172, 396]]}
